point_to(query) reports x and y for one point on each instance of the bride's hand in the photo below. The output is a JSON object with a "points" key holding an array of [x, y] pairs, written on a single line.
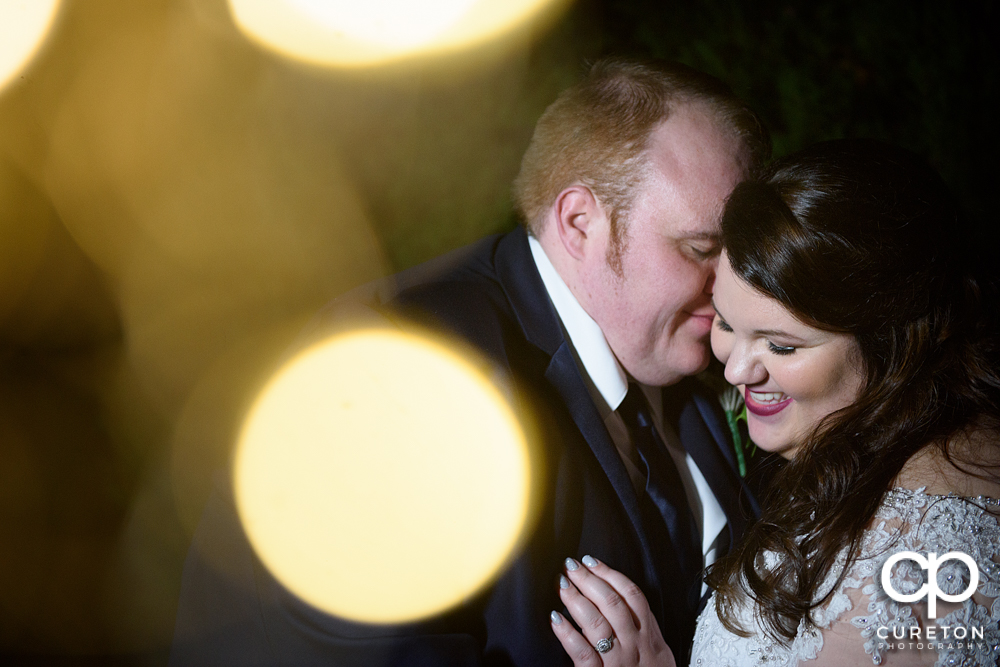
{"points": [[607, 606]]}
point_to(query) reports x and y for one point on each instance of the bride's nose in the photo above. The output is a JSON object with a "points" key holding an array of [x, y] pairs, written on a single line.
{"points": [[743, 367]]}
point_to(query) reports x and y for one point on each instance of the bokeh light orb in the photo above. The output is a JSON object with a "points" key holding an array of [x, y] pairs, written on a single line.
{"points": [[351, 33], [381, 477], [388, 23], [24, 25]]}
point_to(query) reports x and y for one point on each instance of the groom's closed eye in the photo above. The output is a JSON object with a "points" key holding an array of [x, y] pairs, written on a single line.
{"points": [[703, 251]]}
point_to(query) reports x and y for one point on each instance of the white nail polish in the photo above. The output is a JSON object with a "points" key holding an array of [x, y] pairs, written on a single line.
{"points": [[589, 561], [572, 565], [556, 617], [563, 582]]}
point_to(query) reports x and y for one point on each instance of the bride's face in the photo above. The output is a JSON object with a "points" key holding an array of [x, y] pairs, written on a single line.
{"points": [[791, 374]]}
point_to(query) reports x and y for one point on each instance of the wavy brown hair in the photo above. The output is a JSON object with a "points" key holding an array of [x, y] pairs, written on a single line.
{"points": [[861, 238]]}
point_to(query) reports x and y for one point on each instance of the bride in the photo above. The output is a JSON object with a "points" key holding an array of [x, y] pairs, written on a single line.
{"points": [[868, 356]]}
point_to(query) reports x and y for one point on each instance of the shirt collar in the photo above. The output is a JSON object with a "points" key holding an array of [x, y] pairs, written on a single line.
{"points": [[584, 334]]}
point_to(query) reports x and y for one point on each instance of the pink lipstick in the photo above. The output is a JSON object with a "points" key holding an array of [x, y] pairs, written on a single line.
{"points": [[764, 409]]}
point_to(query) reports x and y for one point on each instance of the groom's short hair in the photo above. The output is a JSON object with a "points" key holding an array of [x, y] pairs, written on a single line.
{"points": [[596, 133]]}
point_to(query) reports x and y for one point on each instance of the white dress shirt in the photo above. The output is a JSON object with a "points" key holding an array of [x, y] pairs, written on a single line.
{"points": [[607, 382]]}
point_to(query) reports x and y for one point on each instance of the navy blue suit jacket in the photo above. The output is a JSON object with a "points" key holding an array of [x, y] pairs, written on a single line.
{"points": [[490, 294]]}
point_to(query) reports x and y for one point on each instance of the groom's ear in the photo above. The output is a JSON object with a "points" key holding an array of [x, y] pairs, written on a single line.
{"points": [[578, 218]]}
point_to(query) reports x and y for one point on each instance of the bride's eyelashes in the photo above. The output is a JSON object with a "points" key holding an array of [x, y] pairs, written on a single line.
{"points": [[722, 325], [778, 349]]}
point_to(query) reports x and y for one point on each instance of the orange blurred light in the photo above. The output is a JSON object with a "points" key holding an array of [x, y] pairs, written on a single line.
{"points": [[382, 477], [24, 25], [349, 33]]}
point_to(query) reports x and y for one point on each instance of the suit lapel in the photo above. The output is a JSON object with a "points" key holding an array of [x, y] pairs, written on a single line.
{"points": [[529, 300], [537, 317], [526, 293], [563, 374]]}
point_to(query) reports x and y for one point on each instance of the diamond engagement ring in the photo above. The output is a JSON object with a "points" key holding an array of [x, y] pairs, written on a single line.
{"points": [[605, 645]]}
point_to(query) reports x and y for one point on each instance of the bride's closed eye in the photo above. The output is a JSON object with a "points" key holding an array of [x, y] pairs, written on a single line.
{"points": [[779, 349], [723, 326]]}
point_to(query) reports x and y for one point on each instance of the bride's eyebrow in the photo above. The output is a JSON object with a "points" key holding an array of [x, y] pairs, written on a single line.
{"points": [[778, 333], [770, 333]]}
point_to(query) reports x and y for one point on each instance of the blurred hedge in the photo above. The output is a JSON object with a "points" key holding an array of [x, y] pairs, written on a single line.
{"points": [[916, 73]]}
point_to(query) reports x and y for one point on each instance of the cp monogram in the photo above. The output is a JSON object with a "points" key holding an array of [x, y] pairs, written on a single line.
{"points": [[930, 589]]}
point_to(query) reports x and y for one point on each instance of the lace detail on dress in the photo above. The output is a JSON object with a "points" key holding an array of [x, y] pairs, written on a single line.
{"points": [[916, 521], [907, 521]]}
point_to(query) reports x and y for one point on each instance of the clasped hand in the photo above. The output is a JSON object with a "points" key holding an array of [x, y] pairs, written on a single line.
{"points": [[617, 625]]}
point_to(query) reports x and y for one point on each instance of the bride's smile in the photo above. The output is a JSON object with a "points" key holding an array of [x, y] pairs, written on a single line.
{"points": [[791, 374]]}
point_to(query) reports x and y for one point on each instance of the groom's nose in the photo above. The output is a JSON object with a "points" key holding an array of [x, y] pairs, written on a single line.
{"points": [[710, 279]]}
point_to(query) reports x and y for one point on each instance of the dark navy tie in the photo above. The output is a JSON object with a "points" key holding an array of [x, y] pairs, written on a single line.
{"points": [[664, 503]]}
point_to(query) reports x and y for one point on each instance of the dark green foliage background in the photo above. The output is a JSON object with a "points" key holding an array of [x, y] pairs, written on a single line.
{"points": [[919, 74]]}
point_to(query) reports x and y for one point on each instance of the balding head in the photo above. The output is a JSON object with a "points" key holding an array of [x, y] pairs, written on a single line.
{"points": [[597, 134]]}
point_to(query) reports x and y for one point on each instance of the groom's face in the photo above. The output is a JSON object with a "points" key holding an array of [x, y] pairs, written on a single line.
{"points": [[656, 312]]}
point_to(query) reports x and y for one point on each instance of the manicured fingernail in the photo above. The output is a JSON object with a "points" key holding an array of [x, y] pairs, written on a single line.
{"points": [[563, 581], [589, 561], [572, 565], [556, 617]]}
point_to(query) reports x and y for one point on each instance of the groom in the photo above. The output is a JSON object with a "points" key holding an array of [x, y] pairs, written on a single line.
{"points": [[597, 311]]}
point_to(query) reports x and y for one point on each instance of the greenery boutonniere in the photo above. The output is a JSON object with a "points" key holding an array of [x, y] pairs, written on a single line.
{"points": [[736, 409]]}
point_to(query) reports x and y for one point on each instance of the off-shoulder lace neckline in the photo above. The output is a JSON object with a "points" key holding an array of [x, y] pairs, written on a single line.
{"points": [[922, 491], [908, 519]]}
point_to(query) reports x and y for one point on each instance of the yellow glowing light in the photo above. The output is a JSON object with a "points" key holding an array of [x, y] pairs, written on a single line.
{"points": [[23, 27], [389, 23], [367, 32], [381, 477]]}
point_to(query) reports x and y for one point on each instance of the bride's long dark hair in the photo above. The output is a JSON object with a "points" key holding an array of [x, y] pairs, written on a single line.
{"points": [[861, 238]]}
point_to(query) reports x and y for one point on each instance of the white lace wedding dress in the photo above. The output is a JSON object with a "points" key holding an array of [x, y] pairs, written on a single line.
{"points": [[861, 620]]}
